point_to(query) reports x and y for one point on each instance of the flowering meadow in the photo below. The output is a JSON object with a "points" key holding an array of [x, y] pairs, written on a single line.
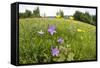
{"points": [[48, 40]]}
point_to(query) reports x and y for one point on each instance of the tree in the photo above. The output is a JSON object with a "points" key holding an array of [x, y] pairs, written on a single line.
{"points": [[94, 19], [28, 13], [57, 13], [78, 15], [36, 12], [25, 14], [60, 13], [85, 17], [21, 15]]}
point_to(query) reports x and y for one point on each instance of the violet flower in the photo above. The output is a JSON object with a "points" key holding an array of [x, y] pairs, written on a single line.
{"points": [[51, 30], [54, 51], [60, 40]]}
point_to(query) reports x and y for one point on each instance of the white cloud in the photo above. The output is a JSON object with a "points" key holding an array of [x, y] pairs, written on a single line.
{"points": [[51, 10]]}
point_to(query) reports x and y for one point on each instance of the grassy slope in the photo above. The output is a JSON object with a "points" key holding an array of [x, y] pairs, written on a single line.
{"points": [[34, 48]]}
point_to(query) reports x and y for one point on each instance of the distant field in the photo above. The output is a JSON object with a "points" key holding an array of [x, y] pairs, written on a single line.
{"points": [[79, 40]]}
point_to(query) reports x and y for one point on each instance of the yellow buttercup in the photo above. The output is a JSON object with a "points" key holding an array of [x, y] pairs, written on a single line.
{"points": [[80, 30], [58, 16]]}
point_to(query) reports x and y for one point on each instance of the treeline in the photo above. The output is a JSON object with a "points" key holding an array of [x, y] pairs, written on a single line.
{"points": [[36, 13], [85, 17], [80, 16], [28, 13]]}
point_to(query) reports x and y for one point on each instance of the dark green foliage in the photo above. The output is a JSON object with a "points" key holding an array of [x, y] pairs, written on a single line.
{"points": [[57, 13], [26, 14], [36, 12], [79, 16], [85, 17], [94, 19], [61, 13], [21, 15], [29, 14]]}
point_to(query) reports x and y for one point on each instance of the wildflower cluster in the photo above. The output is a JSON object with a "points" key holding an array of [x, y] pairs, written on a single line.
{"points": [[54, 50]]}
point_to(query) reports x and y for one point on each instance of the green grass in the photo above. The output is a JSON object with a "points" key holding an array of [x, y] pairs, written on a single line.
{"points": [[36, 48]]}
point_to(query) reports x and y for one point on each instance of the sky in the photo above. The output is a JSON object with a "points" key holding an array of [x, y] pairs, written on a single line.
{"points": [[51, 10]]}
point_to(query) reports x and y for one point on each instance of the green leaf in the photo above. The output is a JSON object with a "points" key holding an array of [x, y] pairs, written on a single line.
{"points": [[70, 56]]}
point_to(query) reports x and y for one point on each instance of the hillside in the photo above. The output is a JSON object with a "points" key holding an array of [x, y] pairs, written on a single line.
{"points": [[35, 41]]}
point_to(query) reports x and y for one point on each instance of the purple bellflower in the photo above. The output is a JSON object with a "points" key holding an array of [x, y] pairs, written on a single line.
{"points": [[60, 40], [51, 30], [54, 51]]}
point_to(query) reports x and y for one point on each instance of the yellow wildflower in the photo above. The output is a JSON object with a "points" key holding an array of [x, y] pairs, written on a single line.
{"points": [[58, 16], [80, 30], [71, 17]]}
